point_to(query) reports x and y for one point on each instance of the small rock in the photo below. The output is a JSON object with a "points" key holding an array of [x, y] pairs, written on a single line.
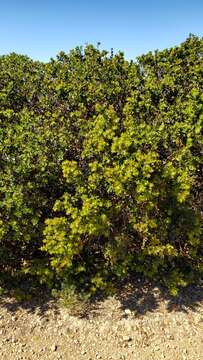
{"points": [[6, 340], [127, 311], [13, 340], [54, 347], [98, 356], [127, 338]]}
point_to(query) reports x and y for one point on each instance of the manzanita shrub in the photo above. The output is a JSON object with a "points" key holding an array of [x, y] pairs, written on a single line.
{"points": [[101, 167]]}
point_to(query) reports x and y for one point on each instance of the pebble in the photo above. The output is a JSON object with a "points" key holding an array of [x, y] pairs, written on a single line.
{"points": [[13, 340], [54, 347], [128, 311], [98, 356], [6, 340], [127, 338]]}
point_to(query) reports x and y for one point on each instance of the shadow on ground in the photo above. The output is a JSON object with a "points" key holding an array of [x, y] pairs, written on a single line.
{"points": [[140, 296], [40, 304], [136, 295]]}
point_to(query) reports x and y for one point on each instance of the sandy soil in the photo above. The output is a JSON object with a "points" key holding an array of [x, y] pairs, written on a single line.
{"points": [[140, 322]]}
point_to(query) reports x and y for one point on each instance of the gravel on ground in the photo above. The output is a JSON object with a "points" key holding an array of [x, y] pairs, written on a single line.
{"points": [[138, 323]]}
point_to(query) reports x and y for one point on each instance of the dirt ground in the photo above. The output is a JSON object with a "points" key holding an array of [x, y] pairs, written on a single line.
{"points": [[140, 322]]}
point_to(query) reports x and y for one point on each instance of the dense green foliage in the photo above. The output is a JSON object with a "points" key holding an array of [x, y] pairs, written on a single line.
{"points": [[101, 166]]}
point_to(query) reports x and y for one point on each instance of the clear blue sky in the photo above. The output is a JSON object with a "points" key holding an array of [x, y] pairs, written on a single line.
{"points": [[41, 28]]}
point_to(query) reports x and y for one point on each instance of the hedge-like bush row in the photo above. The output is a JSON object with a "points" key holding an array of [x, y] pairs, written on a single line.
{"points": [[101, 167]]}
